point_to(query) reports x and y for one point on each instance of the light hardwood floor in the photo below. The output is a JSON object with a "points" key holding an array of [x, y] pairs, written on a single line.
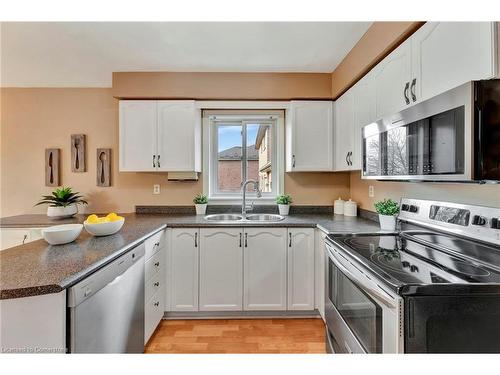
{"points": [[239, 336]]}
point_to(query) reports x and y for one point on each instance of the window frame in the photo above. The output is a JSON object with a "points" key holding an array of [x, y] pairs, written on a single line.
{"points": [[211, 121]]}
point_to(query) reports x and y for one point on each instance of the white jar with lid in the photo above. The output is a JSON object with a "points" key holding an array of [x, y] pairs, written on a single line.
{"points": [[350, 208], [338, 206]]}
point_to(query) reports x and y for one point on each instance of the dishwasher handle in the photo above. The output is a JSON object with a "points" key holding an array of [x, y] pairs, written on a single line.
{"points": [[106, 275]]}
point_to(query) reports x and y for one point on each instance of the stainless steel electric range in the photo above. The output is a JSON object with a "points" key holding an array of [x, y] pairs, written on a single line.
{"points": [[433, 286]]}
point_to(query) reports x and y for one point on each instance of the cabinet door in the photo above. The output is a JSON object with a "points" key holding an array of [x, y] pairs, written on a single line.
{"points": [[179, 136], [311, 136], [265, 268], [138, 127], [300, 269], [364, 114], [344, 128], [182, 264], [448, 54], [392, 78], [221, 269]]}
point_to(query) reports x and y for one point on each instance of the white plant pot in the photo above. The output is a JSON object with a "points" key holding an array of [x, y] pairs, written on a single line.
{"points": [[201, 209], [387, 222], [284, 209], [62, 212]]}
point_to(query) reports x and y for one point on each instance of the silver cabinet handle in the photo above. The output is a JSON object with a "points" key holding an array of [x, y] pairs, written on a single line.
{"points": [[412, 90], [350, 160], [159, 161], [157, 283], [157, 304], [240, 238], [289, 239], [405, 93], [346, 160], [157, 264], [196, 239], [293, 161], [246, 239], [154, 161], [25, 237]]}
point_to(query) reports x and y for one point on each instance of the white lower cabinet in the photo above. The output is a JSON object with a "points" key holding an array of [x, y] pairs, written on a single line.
{"points": [[10, 237], [221, 269], [265, 269], [183, 269], [300, 269], [154, 288]]}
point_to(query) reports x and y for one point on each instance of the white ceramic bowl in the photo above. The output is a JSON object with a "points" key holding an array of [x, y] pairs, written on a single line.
{"points": [[103, 229], [61, 234]]}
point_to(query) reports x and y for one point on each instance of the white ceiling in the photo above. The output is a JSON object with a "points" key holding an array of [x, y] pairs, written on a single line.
{"points": [[85, 54]]}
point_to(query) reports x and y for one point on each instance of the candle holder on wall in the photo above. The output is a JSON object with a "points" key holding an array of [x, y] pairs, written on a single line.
{"points": [[103, 170], [78, 152], [52, 167]]}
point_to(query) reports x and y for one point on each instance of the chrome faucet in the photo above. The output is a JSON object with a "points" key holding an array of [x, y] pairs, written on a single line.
{"points": [[244, 207]]}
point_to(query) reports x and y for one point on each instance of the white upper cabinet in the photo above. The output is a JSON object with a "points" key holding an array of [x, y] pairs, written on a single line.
{"points": [[160, 135], [138, 127], [448, 54], [300, 269], [221, 269], [364, 114], [392, 78], [309, 136], [344, 131], [265, 271], [179, 136]]}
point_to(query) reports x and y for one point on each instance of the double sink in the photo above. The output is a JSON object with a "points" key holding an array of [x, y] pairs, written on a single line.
{"points": [[254, 218]]}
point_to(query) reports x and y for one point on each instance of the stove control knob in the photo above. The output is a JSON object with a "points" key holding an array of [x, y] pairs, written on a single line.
{"points": [[405, 207], [413, 268], [478, 220], [413, 209], [405, 264], [495, 223]]}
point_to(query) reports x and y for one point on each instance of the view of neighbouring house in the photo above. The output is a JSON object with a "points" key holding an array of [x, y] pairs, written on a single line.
{"points": [[258, 156]]}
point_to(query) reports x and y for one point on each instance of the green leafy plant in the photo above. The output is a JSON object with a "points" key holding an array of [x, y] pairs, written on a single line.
{"points": [[200, 199], [284, 199], [62, 197], [387, 207]]}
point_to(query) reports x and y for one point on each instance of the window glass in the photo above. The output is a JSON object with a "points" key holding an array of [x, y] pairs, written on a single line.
{"points": [[229, 158]]}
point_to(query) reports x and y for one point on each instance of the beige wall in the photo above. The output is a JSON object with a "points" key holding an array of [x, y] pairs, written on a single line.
{"points": [[378, 41], [33, 119], [230, 86], [487, 195]]}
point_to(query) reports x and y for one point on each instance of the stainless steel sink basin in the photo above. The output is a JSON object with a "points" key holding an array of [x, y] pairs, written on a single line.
{"points": [[224, 217], [264, 217]]}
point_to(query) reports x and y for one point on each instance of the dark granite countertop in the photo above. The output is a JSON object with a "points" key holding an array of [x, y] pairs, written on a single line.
{"points": [[38, 268]]}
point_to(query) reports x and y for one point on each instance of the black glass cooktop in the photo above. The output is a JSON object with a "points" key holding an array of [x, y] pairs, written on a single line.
{"points": [[400, 260]]}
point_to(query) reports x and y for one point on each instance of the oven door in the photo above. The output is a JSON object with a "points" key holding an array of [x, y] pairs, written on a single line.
{"points": [[359, 319]]}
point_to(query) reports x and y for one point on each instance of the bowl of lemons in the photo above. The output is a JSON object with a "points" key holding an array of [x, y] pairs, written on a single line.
{"points": [[103, 226]]}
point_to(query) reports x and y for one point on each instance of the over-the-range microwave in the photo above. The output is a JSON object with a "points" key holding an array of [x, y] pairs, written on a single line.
{"points": [[454, 136]]}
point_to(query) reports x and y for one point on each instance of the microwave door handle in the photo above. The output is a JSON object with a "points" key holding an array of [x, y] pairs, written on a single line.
{"points": [[389, 302]]}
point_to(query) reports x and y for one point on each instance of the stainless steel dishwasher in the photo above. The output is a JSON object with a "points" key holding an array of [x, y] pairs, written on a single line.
{"points": [[106, 310]]}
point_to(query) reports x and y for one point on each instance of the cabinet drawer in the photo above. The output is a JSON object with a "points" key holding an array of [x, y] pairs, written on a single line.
{"points": [[153, 285], [154, 243], [153, 313], [153, 265]]}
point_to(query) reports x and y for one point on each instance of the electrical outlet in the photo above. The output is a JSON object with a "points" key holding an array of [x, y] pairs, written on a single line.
{"points": [[371, 191], [156, 189]]}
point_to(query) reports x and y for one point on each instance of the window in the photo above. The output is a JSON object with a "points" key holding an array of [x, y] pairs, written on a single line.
{"points": [[242, 147]]}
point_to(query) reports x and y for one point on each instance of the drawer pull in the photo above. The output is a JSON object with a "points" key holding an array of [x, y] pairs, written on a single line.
{"points": [[157, 264], [157, 304], [157, 283]]}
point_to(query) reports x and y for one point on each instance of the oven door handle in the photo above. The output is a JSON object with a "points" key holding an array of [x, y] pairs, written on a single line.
{"points": [[383, 297]]}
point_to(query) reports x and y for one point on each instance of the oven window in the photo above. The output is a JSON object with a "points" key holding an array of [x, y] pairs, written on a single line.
{"points": [[361, 313]]}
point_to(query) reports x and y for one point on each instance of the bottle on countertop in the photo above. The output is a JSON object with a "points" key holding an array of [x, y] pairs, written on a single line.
{"points": [[350, 208], [338, 206]]}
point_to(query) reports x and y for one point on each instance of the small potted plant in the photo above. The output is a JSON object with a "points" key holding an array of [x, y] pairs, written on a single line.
{"points": [[62, 203], [200, 202], [283, 202], [387, 211]]}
